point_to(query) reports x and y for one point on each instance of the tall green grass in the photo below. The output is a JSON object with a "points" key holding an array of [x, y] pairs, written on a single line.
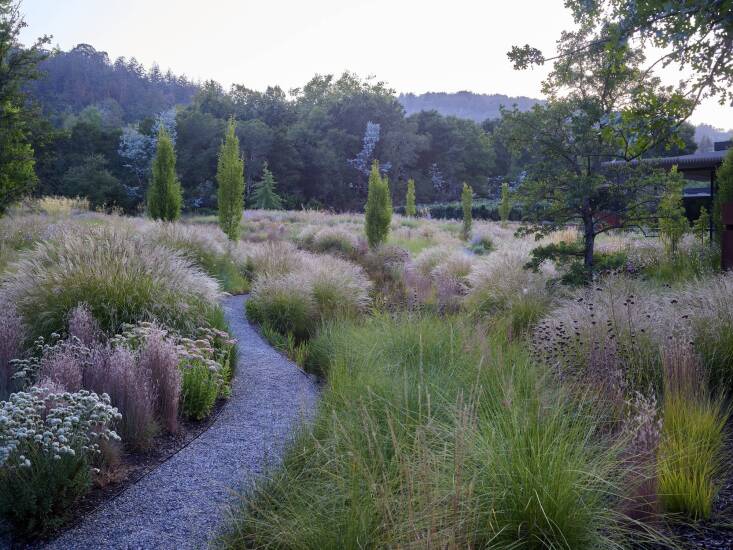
{"points": [[431, 436], [691, 455]]}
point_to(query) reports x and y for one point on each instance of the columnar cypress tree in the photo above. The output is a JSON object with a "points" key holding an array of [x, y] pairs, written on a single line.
{"points": [[230, 177], [467, 201], [164, 195], [378, 211], [410, 209], [265, 196], [504, 207]]}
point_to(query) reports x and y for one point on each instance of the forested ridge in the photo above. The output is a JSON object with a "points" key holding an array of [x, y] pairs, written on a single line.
{"points": [[96, 135]]}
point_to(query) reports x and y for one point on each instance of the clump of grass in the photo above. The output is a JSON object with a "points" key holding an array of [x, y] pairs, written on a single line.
{"points": [[610, 336], [323, 288], [693, 437], [481, 243], [329, 240], [499, 285], [205, 246], [121, 277], [691, 455]]}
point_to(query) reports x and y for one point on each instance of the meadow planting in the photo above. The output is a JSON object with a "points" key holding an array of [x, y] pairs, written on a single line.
{"points": [[474, 397]]}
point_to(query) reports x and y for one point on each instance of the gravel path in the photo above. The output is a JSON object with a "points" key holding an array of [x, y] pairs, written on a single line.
{"points": [[182, 503]]}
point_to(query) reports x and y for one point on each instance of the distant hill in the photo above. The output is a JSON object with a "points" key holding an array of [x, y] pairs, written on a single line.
{"points": [[476, 107], [713, 134], [123, 90]]}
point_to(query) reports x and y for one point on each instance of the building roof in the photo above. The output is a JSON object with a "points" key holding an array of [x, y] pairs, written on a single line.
{"points": [[711, 159], [698, 166]]}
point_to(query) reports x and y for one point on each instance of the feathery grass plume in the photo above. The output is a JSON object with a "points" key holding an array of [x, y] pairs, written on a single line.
{"points": [[467, 204], [12, 337], [321, 288], [410, 208], [330, 240], [164, 195], [116, 373], [283, 303], [158, 361], [230, 177], [83, 326], [708, 303], [378, 210], [120, 277], [339, 288], [206, 246], [64, 365], [499, 284], [271, 258]]}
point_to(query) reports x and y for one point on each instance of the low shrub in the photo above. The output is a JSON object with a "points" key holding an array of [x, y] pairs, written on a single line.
{"points": [[47, 442], [481, 244], [200, 389]]}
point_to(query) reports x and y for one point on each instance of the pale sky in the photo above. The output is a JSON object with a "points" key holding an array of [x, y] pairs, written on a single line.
{"points": [[412, 45]]}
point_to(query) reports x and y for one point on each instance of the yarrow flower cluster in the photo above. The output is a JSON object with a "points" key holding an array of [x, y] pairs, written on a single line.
{"points": [[41, 423]]}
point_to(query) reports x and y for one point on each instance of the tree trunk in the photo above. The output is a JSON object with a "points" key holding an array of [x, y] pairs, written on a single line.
{"points": [[589, 237]]}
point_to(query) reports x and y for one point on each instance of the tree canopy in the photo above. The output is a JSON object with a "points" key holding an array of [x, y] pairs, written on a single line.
{"points": [[18, 66], [602, 106]]}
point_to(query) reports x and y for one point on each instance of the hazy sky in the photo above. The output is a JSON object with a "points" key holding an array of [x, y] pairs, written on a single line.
{"points": [[414, 46]]}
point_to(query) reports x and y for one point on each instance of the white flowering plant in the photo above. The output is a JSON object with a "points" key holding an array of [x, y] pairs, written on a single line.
{"points": [[48, 441]]}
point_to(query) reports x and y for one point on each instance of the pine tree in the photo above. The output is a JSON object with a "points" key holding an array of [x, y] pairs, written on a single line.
{"points": [[164, 196], [265, 196], [505, 206], [230, 177], [673, 222], [467, 201], [410, 209], [702, 225], [378, 211]]}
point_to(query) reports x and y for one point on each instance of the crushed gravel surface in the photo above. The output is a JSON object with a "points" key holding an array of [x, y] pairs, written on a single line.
{"points": [[182, 503]]}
